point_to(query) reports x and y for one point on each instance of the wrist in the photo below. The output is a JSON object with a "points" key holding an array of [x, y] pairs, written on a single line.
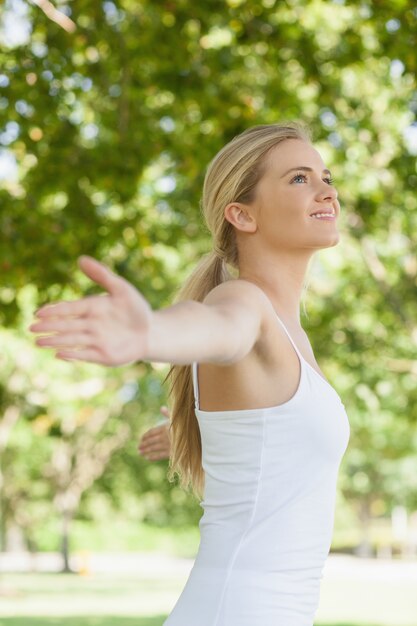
{"points": [[151, 338]]}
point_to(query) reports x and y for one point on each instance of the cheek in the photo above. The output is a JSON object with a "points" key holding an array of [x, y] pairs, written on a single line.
{"points": [[283, 210]]}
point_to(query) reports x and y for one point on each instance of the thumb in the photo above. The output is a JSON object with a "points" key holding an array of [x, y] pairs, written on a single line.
{"points": [[100, 274]]}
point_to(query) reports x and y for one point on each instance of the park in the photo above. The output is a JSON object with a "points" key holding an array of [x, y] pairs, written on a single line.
{"points": [[110, 112]]}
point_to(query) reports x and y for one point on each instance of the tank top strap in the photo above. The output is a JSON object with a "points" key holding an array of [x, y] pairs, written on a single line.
{"points": [[194, 366], [289, 336], [195, 385]]}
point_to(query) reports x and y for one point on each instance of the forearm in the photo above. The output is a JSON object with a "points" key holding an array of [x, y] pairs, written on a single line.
{"points": [[191, 331]]}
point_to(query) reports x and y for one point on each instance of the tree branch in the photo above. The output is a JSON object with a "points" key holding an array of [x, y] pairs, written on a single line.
{"points": [[56, 16], [379, 273]]}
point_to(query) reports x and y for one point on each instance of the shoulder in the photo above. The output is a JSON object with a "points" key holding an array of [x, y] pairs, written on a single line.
{"points": [[241, 300], [240, 291], [241, 308]]}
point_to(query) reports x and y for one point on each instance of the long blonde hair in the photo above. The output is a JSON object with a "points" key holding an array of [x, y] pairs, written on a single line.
{"points": [[231, 176]]}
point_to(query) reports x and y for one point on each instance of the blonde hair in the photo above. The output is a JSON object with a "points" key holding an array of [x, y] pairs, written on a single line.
{"points": [[232, 176]]}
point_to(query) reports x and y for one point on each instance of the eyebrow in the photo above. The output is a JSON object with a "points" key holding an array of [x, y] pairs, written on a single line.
{"points": [[304, 168]]}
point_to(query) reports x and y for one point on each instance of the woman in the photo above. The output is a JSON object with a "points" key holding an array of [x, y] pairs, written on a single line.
{"points": [[256, 428]]}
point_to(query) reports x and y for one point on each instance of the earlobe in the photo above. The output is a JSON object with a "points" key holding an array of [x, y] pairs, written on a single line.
{"points": [[240, 217]]}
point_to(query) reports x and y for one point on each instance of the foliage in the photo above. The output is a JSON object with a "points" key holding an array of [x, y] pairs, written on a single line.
{"points": [[112, 126]]}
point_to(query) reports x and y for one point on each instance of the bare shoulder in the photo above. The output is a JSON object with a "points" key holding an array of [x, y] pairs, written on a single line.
{"points": [[238, 292], [246, 307]]}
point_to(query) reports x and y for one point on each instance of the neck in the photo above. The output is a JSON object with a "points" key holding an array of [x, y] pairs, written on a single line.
{"points": [[281, 275]]}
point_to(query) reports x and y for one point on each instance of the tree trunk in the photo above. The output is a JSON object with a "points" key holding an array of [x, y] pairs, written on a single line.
{"points": [[66, 524], [364, 548], [2, 517]]}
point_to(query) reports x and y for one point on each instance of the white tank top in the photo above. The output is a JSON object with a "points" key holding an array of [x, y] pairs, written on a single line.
{"points": [[270, 487]]}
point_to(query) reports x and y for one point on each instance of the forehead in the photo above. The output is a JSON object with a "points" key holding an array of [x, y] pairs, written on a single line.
{"points": [[294, 153]]}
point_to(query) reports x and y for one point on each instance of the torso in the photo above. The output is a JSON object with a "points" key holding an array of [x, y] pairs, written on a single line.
{"points": [[272, 366], [269, 481]]}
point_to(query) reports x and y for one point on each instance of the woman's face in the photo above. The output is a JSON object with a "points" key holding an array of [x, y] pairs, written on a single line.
{"points": [[296, 185]]}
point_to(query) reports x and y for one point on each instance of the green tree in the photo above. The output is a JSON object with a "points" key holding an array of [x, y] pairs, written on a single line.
{"points": [[112, 124]]}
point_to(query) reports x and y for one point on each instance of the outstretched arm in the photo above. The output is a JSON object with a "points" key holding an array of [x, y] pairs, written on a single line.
{"points": [[120, 327]]}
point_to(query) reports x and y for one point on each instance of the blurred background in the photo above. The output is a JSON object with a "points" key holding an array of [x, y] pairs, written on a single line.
{"points": [[109, 114]]}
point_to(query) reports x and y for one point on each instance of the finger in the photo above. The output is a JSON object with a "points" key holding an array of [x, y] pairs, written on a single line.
{"points": [[89, 355], [154, 431], [148, 442], [150, 439], [157, 430], [151, 442], [153, 448], [156, 456], [65, 340], [101, 274], [76, 308], [47, 326], [158, 447], [165, 411]]}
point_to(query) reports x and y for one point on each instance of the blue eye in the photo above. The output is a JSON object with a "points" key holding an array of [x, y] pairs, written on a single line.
{"points": [[328, 180], [299, 176]]}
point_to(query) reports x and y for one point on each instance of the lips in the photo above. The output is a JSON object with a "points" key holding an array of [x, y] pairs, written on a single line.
{"points": [[323, 211]]}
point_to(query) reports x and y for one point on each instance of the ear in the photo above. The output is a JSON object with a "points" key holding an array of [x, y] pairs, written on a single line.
{"points": [[241, 217]]}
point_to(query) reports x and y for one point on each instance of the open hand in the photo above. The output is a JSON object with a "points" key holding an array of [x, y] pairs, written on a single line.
{"points": [[111, 329], [155, 443]]}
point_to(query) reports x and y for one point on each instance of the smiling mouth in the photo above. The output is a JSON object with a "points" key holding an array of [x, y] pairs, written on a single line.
{"points": [[324, 216]]}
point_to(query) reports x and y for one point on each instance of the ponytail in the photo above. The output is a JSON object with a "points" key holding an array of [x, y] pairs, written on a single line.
{"points": [[185, 458]]}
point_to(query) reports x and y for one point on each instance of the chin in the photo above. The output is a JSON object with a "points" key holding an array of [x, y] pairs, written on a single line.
{"points": [[335, 240], [330, 242]]}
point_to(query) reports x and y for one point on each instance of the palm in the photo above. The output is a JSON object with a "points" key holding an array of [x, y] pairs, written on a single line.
{"points": [[110, 329]]}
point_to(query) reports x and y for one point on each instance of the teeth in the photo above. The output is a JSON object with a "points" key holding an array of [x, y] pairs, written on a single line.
{"points": [[323, 215]]}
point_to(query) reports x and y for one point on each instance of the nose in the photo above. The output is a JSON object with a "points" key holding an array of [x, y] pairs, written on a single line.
{"points": [[327, 192]]}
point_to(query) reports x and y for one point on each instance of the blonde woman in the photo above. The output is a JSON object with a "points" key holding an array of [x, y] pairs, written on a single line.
{"points": [[256, 429]]}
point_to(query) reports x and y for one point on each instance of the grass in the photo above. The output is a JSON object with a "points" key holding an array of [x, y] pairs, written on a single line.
{"points": [[114, 620], [82, 620], [145, 600]]}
